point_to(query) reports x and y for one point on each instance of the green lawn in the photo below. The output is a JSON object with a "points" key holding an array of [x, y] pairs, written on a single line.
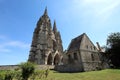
{"points": [[108, 74]]}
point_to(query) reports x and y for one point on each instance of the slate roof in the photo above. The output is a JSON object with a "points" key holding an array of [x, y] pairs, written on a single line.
{"points": [[75, 43]]}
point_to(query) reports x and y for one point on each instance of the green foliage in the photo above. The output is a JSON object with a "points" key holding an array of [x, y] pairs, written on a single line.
{"points": [[113, 49], [113, 39], [9, 75], [2, 75], [17, 75], [27, 70], [39, 74]]}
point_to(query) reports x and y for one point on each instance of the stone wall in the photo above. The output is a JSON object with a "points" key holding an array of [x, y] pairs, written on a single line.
{"points": [[13, 67], [69, 68], [8, 67]]}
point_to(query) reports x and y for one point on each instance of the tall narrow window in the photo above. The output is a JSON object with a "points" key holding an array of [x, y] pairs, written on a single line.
{"points": [[69, 58], [91, 47], [86, 46], [92, 56], [75, 56], [94, 48]]}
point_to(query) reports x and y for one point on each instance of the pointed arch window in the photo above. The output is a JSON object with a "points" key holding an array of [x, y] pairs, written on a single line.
{"points": [[49, 60]]}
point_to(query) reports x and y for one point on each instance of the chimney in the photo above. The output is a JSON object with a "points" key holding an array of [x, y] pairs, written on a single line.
{"points": [[99, 48]]}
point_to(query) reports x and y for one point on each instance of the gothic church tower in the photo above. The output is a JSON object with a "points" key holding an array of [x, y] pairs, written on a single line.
{"points": [[46, 47]]}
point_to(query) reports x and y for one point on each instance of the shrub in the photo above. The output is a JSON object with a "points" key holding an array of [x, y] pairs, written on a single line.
{"points": [[17, 75], [2, 75], [27, 70]]}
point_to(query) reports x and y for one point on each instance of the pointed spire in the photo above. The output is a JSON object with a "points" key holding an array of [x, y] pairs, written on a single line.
{"points": [[54, 27], [45, 12]]}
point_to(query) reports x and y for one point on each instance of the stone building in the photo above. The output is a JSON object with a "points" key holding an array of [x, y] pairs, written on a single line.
{"points": [[82, 55], [46, 47]]}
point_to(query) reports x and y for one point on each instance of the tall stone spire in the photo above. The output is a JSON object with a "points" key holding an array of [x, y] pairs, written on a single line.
{"points": [[45, 42], [54, 27], [45, 12]]}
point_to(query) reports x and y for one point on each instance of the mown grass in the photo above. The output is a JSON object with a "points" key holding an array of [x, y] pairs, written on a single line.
{"points": [[108, 74]]}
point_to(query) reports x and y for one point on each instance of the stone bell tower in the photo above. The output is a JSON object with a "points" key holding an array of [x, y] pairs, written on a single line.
{"points": [[46, 47]]}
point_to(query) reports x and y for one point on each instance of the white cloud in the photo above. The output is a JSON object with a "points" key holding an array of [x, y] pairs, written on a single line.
{"points": [[99, 8], [97, 13], [6, 45], [17, 44], [4, 50], [96, 1]]}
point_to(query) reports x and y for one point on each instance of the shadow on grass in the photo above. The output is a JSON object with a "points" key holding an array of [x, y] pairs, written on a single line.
{"points": [[54, 71]]}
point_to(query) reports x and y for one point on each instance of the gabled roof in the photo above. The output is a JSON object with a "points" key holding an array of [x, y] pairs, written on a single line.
{"points": [[75, 43]]}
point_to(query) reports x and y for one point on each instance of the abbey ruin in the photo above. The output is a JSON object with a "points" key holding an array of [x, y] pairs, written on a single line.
{"points": [[47, 49], [46, 46]]}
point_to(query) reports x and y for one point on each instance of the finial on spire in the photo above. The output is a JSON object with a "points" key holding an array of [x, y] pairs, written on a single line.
{"points": [[54, 27], [45, 12]]}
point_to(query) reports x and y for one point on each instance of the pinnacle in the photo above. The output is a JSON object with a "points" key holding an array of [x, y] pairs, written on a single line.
{"points": [[45, 12], [54, 26]]}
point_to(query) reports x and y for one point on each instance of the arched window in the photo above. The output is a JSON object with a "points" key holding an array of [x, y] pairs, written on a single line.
{"points": [[56, 59]]}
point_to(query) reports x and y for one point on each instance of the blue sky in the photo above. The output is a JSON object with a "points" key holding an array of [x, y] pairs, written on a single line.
{"points": [[18, 18]]}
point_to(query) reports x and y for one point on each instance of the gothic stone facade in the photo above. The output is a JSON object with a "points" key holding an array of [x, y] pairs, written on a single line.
{"points": [[46, 47]]}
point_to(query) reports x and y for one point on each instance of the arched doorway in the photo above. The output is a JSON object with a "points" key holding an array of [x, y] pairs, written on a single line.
{"points": [[49, 60], [56, 59]]}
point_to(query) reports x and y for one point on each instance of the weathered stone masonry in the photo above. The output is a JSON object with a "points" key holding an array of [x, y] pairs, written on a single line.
{"points": [[46, 47]]}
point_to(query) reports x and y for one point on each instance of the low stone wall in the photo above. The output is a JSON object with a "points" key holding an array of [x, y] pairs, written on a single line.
{"points": [[38, 67], [8, 67], [44, 67], [69, 68]]}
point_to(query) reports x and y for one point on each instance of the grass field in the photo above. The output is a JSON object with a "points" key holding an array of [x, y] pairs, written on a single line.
{"points": [[108, 74]]}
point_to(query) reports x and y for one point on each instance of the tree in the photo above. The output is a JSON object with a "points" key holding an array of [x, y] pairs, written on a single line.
{"points": [[27, 70], [113, 49]]}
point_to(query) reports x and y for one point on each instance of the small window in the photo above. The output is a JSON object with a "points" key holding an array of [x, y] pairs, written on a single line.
{"points": [[86, 46], [94, 48], [75, 56], [92, 56], [91, 47], [69, 56]]}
